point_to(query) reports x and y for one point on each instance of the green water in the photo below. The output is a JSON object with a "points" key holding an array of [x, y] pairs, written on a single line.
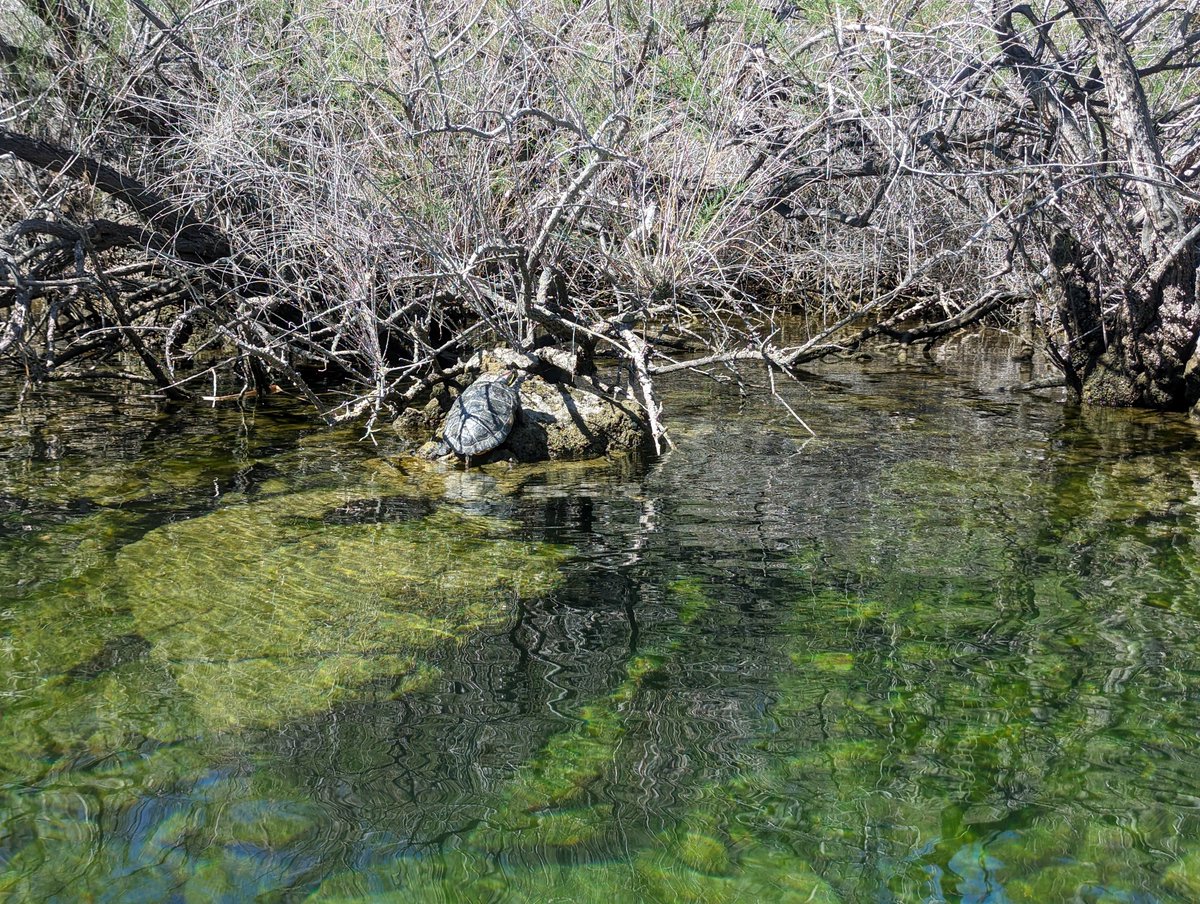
{"points": [[947, 651]]}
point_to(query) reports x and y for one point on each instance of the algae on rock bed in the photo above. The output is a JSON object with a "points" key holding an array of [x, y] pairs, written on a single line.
{"points": [[263, 612], [232, 837], [251, 615], [552, 835], [963, 653]]}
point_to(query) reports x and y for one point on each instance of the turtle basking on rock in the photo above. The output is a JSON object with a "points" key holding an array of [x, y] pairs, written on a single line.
{"points": [[482, 417], [543, 406]]}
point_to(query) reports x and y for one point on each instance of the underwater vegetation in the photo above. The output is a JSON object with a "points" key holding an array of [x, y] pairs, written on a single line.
{"points": [[948, 653], [135, 647]]}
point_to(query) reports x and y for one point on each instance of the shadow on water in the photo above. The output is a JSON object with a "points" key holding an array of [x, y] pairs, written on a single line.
{"points": [[946, 651]]}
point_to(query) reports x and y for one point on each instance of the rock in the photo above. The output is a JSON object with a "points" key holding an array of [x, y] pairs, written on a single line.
{"points": [[554, 363], [563, 364], [562, 358], [434, 449], [558, 421], [417, 424], [703, 853], [413, 424], [270, 612], [496, 360]]}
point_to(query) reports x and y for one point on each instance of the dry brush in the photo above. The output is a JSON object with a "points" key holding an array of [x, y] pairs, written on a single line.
{"points": [[346, 199]]}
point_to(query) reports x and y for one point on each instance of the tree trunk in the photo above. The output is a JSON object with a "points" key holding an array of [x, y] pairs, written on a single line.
{"points": [[1143, 358]]}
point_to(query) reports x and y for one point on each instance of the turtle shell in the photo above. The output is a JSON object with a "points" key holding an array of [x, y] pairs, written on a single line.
{"points": [[482, 417]]}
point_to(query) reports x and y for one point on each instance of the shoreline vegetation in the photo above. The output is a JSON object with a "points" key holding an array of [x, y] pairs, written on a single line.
{"points": [[348, 201]]}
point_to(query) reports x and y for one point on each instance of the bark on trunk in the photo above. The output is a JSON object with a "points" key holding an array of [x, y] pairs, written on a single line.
{"points": [[1129, 313], [1145, 360], [1147, 365]]}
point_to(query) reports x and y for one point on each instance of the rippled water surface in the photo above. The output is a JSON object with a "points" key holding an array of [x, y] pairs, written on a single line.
{"points": [[949, 650]]}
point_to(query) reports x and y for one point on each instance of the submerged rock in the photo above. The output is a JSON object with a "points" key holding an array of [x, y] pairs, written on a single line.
{"points": [[1183, 877], [254, 614], [263, 612]]}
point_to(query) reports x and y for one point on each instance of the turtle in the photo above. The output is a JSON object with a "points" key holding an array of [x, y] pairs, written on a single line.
{"points": [[482, 417]]}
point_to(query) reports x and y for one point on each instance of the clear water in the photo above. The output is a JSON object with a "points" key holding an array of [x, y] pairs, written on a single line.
{"points": [[948, 651]]}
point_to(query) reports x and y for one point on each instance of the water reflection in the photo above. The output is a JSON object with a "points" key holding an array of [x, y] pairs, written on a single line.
{"points": [[947, 651]]}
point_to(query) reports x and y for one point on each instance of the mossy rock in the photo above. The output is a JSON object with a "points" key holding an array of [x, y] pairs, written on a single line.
{"points": [[225, 876], [693, 598], [548, 829], [64, 718], [44, 552], [838, 755], [1183, 876], [703, 853], [131, 466], [569, 765], [1062, 883], [460, 877], [832, 662], [257, 613], [760, 874], [573, 760], [265, 824], [61, 628], [1046, 841], [663, 878], [771, 874]]}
